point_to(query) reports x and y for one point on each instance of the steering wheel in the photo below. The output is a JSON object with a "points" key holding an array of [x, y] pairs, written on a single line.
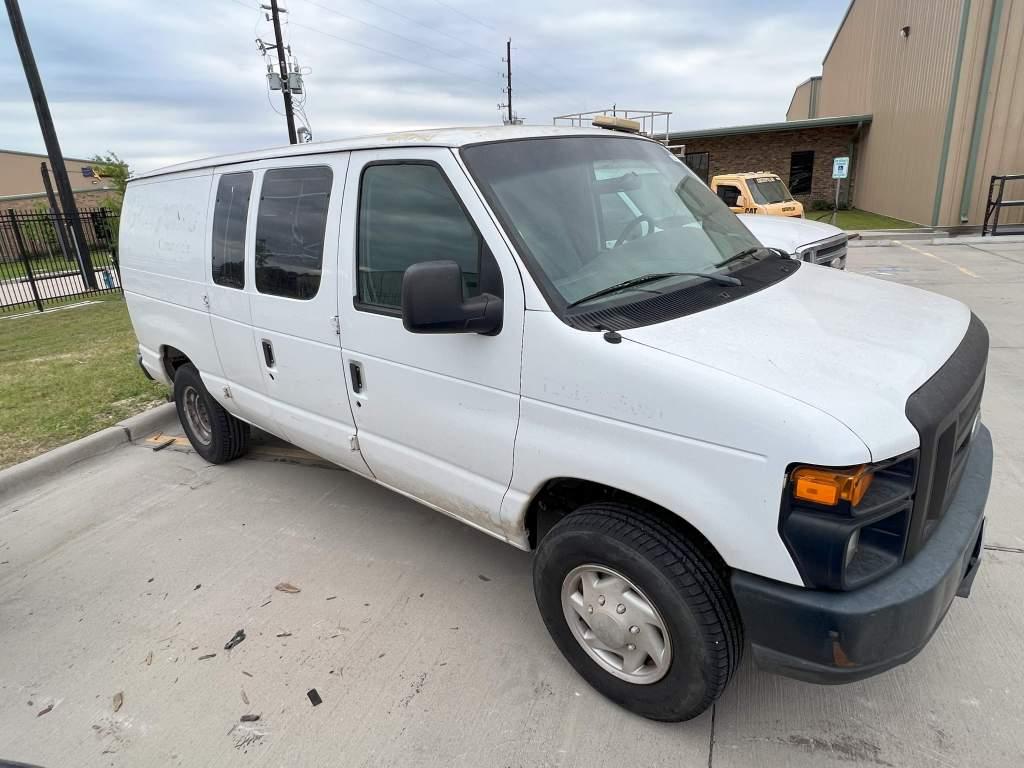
{"points": [[631, 226]]}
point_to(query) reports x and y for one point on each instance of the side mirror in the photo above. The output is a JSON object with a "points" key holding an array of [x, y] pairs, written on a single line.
{"points": [[432, 302], [741, 202]]}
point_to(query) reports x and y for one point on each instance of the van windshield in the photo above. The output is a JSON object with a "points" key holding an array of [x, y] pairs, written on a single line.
{"points": [[768, 190], [588, 213]]}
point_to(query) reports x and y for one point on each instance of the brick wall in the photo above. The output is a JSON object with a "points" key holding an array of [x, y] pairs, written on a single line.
{"points": [[771, 152]]}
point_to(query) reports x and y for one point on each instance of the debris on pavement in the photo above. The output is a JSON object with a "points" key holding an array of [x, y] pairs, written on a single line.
{"points": [[482, 577], [332, 597], [197, 586], [249, 718], [266, 604], [207, 656], [118, 700], [245, 699], [236, 638], [247, 674], [149, 580], [314, 697], [164, 444], [49, 708], [149, 658], [284, 586], [283, 634]]}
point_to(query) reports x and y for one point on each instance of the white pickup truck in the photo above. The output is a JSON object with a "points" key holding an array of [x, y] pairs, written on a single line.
{"points": [[803, 239], [563, 338]]}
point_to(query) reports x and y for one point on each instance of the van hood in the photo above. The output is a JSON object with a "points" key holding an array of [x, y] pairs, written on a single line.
{"points": [[787, 233], [851, 346]]}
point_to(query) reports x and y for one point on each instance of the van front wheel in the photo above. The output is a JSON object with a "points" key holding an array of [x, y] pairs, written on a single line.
{"points": [[643, 614], [215, 434]]}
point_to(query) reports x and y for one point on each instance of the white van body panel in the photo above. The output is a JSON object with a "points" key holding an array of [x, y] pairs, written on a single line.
{"points": [[704, 443], [825, 338], [163, 240], [437, 414]]}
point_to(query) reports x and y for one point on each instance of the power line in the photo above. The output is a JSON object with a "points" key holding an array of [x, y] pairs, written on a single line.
{"points": [[420, 23], [395, 34], [388, 53], [466, 15]]}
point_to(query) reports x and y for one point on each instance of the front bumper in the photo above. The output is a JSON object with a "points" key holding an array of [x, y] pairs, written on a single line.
{"points": [[840, 637]]}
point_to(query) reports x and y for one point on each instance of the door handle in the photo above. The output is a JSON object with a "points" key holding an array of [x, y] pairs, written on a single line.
{"points": [[357, 377], [268, 353]]}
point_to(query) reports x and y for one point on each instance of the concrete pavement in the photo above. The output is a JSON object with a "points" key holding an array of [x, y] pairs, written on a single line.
{"points": [[421, 636]]}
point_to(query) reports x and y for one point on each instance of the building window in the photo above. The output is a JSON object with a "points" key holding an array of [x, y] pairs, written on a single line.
{"points": [[408, 213], [801, 168], [290, 231], [229, 214], [699, 162]]}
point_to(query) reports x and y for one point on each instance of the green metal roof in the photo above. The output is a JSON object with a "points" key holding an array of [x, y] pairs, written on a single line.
{"points": [[789, 125]]}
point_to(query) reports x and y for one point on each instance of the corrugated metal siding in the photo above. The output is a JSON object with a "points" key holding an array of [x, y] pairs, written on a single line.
{"points": [[1002, 133], [904, 83], [800, 106]]}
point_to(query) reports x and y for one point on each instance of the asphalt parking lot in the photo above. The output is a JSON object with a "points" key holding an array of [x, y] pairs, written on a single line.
{"points": [[421, 636]]}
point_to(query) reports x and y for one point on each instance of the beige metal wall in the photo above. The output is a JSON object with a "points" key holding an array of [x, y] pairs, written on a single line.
{"points": [[904, 83], [1001, 146], [19, 174], [800, 106]]}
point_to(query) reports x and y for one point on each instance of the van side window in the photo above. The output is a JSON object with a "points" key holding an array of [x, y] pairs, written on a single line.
{"points": [[408, 213], [290, 231], [229, 214]]}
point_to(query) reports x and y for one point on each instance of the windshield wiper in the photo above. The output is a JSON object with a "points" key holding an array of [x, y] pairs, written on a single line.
{"points": [[737, 256], [632, 282]]}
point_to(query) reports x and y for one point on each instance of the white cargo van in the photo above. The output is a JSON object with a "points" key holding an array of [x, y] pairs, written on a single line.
{"points": [[708, 446]]}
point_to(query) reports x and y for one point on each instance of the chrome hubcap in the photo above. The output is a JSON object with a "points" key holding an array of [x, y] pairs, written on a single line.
{"points": [[197, 416], [616, 624]]}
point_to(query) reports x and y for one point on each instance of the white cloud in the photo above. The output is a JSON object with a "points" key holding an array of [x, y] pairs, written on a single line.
{"points": [[161, 82]]}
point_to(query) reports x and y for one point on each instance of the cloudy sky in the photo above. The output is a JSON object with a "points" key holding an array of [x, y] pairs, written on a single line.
{"points": [[159, 82]]}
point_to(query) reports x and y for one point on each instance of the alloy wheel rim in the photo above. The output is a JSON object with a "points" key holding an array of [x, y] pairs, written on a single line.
{"points": [[616, 624]]}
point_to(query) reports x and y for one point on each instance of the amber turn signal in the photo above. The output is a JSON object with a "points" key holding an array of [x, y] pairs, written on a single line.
{"points": [[830, 486]]}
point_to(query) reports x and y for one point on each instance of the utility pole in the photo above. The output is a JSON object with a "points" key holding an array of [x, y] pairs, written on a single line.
{"points": [[283, 65], [60, 173], [508, 76], [62, 235]]}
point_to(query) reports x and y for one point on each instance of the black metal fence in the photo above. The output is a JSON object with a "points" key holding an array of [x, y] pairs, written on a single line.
{"points": [[41, 262]]}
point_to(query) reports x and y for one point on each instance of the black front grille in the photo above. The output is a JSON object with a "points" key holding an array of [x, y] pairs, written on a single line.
{"points": [[943, 411]]}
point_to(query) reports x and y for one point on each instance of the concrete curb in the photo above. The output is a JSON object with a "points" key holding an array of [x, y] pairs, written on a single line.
{"points": [[18, 477], [939, 241]]}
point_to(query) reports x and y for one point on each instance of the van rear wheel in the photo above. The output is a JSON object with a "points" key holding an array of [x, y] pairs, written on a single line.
{"points": [[643, 614], [215, 434]]}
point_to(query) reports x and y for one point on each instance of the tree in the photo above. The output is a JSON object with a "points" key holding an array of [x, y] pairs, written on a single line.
{"points": [[112, 168]]}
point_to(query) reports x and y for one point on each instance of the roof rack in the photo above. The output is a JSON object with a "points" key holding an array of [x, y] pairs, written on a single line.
{"points": [[647, 122]]}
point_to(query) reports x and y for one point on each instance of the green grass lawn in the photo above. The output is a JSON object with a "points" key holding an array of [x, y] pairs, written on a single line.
{"points": [[52, 263], [856, 219], [66, 374]]}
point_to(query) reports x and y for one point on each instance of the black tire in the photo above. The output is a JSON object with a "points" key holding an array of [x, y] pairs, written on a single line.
{"points": [[227, 438], [688, 587]]}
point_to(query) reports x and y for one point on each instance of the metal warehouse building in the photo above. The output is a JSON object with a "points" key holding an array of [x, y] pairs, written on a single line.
{"points": [[925, 96]]}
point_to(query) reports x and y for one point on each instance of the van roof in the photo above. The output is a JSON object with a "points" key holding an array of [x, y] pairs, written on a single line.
{"points": [[437, 137]]}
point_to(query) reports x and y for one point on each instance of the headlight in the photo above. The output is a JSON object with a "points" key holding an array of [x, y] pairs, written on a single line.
{"points": [[846, 526]]}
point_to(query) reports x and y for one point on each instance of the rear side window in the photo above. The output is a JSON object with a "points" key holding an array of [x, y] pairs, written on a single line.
{"points": [[407, 214], [290, 231], [229, 214]]}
